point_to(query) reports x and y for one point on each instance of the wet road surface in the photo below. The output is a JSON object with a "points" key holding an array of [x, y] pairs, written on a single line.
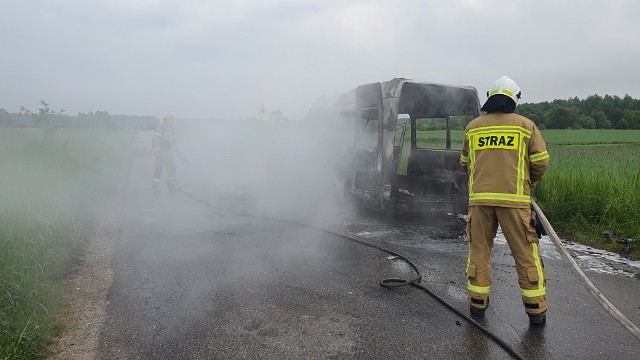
{"points": [[193, 281]]}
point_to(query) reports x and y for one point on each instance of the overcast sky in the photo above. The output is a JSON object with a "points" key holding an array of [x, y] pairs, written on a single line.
{"points": [[204, 58]]}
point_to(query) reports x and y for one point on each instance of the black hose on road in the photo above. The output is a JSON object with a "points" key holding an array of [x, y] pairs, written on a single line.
{"points": [[389, 282]]}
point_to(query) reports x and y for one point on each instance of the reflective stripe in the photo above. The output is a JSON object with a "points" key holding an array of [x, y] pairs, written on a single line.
{"points": [[470, 286], [472, 164], [532, 293], [500, 197], [504, 91], [486, 129], [536, 256], [541, 290], [463, 159], [539, 156], [478, 289], [521, 172]]}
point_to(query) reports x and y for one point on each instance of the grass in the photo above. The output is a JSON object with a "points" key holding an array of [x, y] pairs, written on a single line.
{"points": [[591, 137], [593, 185], [49, 190], [36, 250]]}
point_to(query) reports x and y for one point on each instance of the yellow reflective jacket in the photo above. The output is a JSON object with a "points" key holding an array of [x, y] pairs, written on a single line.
{"points": [[503, 154], [163, 138]]}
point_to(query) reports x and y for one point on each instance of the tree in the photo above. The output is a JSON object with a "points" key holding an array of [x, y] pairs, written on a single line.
{"points": [[46, 117], [5, 118], [533, 112], [622, 124], [599, 112], [632, 118], [602, 122], [585, 122], [561, 117], [611, 107], [592, 104]]}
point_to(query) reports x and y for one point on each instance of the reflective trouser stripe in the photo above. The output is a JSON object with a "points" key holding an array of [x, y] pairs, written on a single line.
{"points": [[478, 289], [541, 290], [533, 293], [470, 286]]}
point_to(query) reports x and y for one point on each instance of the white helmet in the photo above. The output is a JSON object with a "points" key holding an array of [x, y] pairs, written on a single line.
{"points": [[505, 86]]}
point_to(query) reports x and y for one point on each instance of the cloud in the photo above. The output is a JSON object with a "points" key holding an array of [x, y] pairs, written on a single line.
{"points": [[213, 58]]}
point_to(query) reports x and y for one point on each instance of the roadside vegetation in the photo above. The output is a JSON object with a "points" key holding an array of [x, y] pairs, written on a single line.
{"points": [[592, 186], [51, 187]]}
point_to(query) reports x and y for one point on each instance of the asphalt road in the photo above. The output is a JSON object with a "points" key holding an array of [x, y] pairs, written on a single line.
{"points": [[198, 281]]}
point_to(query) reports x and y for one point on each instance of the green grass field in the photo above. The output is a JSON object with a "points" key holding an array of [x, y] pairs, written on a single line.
{"points": [[593, 185], [50, 191]]}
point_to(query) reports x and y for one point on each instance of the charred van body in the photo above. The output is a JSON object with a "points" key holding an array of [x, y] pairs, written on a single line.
{"points": [[403, 155]]}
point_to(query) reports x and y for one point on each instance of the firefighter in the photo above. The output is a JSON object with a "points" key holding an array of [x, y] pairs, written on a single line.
{"points": [[504, 155], [164, 144]]}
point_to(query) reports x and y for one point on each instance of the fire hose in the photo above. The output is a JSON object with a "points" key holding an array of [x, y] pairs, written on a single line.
{"points": [[608, 306]]}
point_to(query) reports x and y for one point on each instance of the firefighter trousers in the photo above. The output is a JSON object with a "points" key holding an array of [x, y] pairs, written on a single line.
{"points": [[161, 160], [519, 231]]}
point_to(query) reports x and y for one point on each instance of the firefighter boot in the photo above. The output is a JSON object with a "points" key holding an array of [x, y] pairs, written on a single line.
{"points": [[537, 312], [537, 319], [477, 307], [172, 185]]}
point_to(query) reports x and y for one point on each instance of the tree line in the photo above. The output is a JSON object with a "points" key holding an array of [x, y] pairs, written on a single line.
{"points": [[594, 112], [48, 118]]}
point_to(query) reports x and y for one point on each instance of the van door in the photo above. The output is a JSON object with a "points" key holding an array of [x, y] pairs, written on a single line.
{"points": [[368, 141]]}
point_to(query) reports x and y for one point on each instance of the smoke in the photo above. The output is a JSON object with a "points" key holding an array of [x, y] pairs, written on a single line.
{"points": [[281, 169]]}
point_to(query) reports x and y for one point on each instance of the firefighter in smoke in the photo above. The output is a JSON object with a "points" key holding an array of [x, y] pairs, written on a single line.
{"points": [[164, 144], [504, 155]]}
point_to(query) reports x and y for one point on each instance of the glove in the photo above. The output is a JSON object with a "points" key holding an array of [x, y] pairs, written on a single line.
{"points": [[537, 225]]}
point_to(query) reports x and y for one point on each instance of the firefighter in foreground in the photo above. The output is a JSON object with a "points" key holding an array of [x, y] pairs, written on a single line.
{"points": [[504, 155], [164, 144]]}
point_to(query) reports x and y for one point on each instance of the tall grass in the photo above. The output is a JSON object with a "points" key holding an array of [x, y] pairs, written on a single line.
{"points": [[35, 249], [592, 188], [48, 191]]}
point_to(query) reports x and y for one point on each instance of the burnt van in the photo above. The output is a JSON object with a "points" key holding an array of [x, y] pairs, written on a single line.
{"points": [[398, 144]]}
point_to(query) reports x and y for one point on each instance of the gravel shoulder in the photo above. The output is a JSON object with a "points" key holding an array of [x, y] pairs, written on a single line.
{"points": [[86, 293]]}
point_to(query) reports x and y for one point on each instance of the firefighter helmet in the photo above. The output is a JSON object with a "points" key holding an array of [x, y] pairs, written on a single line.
{"points": [[168, 118], [505, 86]]}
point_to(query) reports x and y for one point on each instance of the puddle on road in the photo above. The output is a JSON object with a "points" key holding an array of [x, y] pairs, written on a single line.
{"points": [[602, 261], [588, 258]]}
